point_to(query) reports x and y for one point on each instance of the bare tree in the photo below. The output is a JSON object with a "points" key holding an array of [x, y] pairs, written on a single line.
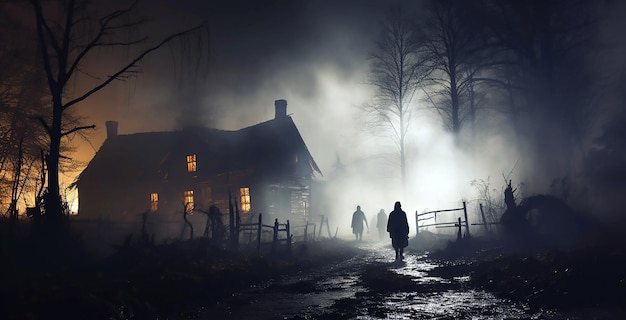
{"points": [[396, 73], [545, 49], [21, 138], [67, 33], [453, 48]]}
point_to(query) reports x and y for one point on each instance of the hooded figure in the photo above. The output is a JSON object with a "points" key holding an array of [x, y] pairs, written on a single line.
{"points": [[381, 223], [398, 228], [358, 217]]}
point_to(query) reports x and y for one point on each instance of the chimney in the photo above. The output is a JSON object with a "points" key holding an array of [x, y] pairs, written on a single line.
{"points": [[111, 129], [281, 108]]}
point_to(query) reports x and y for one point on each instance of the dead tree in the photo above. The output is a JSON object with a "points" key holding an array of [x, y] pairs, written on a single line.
{"points": [[509, 197], [187, 208], [396, 74], [65, 43]]}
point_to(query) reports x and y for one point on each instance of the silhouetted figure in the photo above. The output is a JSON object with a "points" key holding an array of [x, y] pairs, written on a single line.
{"points": [[218, 230], [381, 223], [512, 219], [509, 198], [398, 228], [358, 217]]}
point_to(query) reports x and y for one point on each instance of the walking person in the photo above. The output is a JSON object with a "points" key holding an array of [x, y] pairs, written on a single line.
{"points": [[358, 217], [398, 228], [381, 224]]}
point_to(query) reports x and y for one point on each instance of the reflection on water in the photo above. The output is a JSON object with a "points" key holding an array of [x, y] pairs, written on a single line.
{"points": [[336, 292], [455, 305], [455, 302]]}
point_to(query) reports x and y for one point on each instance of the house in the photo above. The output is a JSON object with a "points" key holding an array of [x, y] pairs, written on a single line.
{"points": [[265, 168]]}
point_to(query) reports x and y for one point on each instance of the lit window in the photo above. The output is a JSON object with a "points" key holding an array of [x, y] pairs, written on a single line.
{"points": [[245, 199], [154, 202], [189, 200], [191, 163], [296, 158]]}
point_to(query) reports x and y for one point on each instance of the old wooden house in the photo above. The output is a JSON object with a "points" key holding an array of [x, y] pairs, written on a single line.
{"points": [[265, 168]]}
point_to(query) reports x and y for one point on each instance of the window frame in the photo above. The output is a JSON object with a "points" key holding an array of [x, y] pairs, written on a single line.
{"points": [[192, 163], [188, 198], [154, 201], [245, 199]]}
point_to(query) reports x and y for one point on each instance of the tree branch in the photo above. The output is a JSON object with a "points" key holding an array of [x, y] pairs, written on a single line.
{"points": [[104, 26], [128, 66], [43, 123], [93, 126], [44, 52]]}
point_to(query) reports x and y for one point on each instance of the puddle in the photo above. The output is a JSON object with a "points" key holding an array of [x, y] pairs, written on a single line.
{"points": [[337, 292]]}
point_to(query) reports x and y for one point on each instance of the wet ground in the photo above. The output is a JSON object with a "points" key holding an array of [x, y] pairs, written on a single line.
{"points": [[330, 279], [326, 279], [373, 286]]}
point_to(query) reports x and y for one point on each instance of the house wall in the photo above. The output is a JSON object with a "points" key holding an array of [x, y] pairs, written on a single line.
{"points": [[279, 187], [107, 221]]}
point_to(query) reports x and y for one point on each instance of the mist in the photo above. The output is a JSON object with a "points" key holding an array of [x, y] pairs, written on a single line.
{"points": [[315, 56], [170, 226]]}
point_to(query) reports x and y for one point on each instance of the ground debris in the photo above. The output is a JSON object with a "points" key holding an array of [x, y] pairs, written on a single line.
{"points": [[556, 279]]}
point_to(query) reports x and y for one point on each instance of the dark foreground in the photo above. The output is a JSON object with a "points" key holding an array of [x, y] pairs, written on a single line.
{"points": [[147, 283], [471, 279]]}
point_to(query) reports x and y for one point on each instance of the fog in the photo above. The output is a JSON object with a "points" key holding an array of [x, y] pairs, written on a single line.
{"points": [[314, 55]]}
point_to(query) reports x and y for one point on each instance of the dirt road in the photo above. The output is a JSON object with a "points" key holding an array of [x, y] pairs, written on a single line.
{"points": [[371, 286]]}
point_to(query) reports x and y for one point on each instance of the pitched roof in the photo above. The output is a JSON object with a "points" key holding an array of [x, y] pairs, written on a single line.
{"points": [[263, 145]]}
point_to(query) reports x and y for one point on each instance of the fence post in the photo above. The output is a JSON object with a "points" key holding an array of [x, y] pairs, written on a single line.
{"points": [[467, 233], [482, 214], [275, 239], [458, 235], [314, 230], [321, 224], [258, 235], [289, 237], [306, 229], [231, 220], [417, 226], [328, 229], [237, 225]]}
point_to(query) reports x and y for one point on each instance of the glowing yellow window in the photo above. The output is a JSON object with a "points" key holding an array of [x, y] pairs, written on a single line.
{"points": [[154, 202], [191, 163], [189, 200], [244, 194]]}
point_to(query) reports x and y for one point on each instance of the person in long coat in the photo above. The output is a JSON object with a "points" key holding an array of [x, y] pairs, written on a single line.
{"points": [[358, 217], [398, 228], [381, 223]]}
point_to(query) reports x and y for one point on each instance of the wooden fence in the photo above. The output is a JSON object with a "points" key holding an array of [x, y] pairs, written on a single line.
{"points": [[106, 233], [485, 224], [282, 234], [325, 223], [425, 216]]}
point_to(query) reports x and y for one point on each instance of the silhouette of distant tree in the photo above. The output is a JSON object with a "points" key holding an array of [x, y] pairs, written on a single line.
{"points": [[396, 74], [455, 53], [605, 165], [21, 97], [548, 83]]}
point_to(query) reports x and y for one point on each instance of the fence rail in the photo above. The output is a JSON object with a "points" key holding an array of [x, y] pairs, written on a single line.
{"points": [[112, 233], [433, 215]]}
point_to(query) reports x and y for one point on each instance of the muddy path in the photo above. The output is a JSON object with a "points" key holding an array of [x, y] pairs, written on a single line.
{"points": [[373, 286]]}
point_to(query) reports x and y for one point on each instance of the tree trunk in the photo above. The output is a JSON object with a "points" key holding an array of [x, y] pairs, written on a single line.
{"points": [[52, 200]]}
